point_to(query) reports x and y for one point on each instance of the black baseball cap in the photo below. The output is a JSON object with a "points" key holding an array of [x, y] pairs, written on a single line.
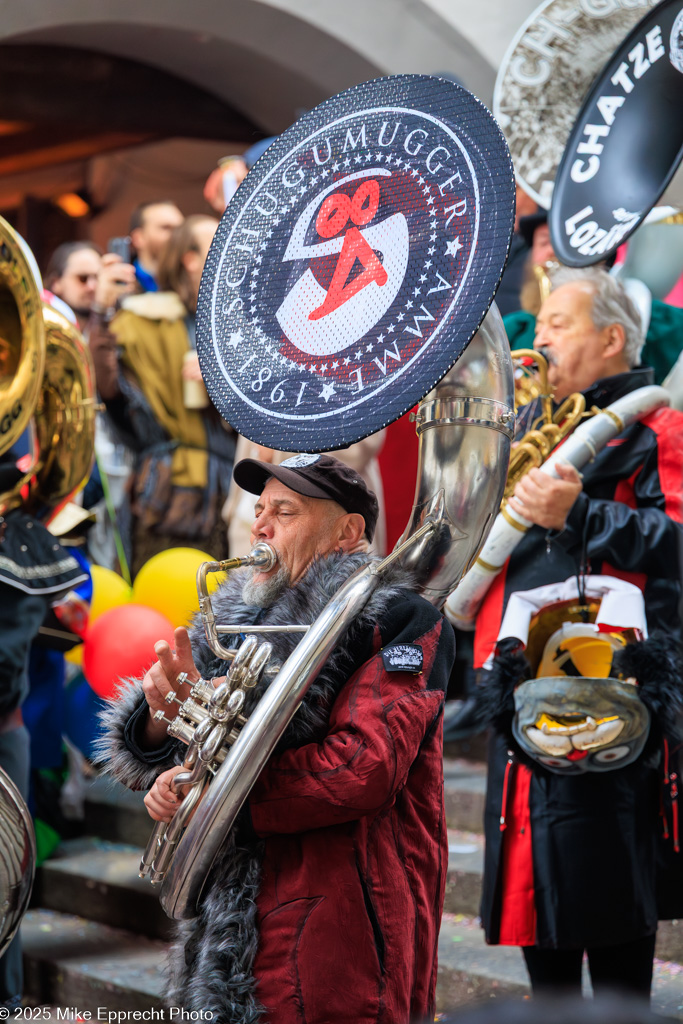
{"points": [[316, 476]]}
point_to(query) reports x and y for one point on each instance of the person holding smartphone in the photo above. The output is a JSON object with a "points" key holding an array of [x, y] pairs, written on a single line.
{"points": [[116, 279], [148, 376]]}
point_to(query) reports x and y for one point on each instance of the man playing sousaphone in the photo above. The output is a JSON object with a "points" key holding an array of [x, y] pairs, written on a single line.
{"points": [[325, 902]]}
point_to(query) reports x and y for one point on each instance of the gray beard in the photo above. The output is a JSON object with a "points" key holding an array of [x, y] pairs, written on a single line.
{"points": [[266, 592]]}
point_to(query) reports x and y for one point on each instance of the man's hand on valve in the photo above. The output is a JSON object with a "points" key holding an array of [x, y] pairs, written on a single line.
{"points": [[163, 801], [174, 671], [545, 500]]}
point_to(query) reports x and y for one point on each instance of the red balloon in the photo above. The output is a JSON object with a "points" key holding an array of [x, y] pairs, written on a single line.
{"points": [[120, 644]]}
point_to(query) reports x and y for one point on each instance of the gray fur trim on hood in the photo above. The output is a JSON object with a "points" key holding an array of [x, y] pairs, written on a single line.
{"points": [[155, 306], [110, 747]]}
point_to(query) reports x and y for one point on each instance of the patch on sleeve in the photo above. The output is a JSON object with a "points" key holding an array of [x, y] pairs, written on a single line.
{"points": [[403, 658]]}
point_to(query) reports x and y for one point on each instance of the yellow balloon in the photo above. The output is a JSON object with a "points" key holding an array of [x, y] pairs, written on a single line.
{"points": [[109, 591], [75, 655], [168, 583]]}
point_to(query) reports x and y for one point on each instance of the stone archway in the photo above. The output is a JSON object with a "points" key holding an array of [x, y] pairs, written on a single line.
{"points": [[267, 58]]}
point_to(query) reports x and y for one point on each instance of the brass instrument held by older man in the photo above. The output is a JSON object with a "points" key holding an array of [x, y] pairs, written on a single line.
{"points": [[469, 411], [510, 526], [298, 352], [551, 428]]}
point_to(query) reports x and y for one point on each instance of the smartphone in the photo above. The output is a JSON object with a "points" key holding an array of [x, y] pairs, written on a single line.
{"points": [[121, 248]]}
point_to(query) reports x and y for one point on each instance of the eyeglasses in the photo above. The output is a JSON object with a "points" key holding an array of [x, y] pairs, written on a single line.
{"points": [[84, 278]]}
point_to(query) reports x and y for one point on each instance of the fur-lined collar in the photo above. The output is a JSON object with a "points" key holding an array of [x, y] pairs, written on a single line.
{"points": [[155, 306], [301, 605]]}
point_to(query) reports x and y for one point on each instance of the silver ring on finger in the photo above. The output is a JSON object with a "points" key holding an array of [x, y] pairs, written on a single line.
{"points": [[182, 678]]}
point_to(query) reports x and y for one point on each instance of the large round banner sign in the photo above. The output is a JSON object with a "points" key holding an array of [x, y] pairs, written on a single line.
{"points": [[545, 75], [355, 262], [626, 144]]}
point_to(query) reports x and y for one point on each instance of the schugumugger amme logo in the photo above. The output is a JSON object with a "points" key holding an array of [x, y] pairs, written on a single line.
{"points": [[338, 266]]}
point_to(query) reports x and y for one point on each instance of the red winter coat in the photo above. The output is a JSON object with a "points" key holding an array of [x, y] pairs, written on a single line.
{"points": [[325, 906], [356, 854]]}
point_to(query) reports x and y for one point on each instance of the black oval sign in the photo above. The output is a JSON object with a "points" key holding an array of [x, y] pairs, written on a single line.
{"points": [[355, 262], [626, 142]]}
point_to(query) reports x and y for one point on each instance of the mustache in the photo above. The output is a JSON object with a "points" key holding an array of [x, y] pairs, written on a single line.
{"points": [[548, 355]]}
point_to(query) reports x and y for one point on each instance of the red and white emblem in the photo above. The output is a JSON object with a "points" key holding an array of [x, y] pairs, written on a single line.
{"points": [[337, 270], [322, 322]]}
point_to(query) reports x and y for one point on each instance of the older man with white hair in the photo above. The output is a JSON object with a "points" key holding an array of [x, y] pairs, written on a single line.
{"points": [[621, 518], [623, 515]]}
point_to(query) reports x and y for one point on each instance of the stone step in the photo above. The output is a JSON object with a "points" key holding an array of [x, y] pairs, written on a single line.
{"points": [[473, 748], [463, 891], [118, 814], [472, 972], [115, 813], [464, 794], [465, 868], [99, 880], [71, 962]]}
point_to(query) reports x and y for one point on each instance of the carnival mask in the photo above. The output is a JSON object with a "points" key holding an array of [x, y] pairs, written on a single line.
{"points": [[570, 721]]}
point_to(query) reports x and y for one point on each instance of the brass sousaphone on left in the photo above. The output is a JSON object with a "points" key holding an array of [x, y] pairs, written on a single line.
{"points": [[350, 276], [22, 361], [46, 388]]}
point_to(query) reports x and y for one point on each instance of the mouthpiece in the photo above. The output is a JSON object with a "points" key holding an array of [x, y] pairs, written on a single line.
{"points": [[263, 556]]}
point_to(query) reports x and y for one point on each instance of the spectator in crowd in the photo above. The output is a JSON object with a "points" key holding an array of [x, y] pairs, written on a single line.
{"points": [[72, 275], [115, 280], [231, 171], [151, 225], [224, 181], [148, 376]]}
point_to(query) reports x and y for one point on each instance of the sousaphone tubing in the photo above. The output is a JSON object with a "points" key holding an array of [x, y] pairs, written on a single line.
{"points": [[626, 144]]}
